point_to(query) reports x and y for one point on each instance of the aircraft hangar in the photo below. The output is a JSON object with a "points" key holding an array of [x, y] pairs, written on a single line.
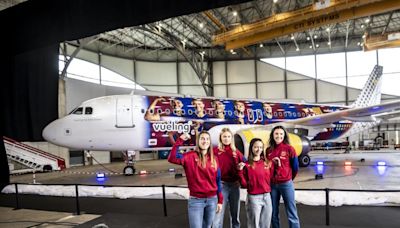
{"points": [[296, 52]]}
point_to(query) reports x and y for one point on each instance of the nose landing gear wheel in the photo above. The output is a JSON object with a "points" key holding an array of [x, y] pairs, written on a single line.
{"points": [[129, 170]]}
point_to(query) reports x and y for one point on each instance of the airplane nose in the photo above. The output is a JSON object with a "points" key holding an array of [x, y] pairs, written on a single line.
{"points": [[50, 132]]}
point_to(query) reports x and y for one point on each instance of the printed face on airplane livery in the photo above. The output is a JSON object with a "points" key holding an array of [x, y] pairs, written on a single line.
{"points": [[279, 135], [219, 106], [176, 104], [198, 105], [267, 110], [257, 148], [239, 106], [204, 142], [226, 138]]}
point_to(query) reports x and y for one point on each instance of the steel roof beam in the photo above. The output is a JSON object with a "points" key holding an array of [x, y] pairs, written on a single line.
{"points": [[301, 20]]}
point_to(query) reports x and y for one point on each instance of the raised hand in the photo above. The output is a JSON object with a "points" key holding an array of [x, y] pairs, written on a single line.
{"points": [[185, 136]]}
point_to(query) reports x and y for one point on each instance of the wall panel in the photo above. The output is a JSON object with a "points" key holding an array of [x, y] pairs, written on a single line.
{"points": [[219, 72], [220, 91], [241, 71], [121, 66], [152, 73], [242, 91], [271, 90], [267, 72], [302, 90], [328, 92]]}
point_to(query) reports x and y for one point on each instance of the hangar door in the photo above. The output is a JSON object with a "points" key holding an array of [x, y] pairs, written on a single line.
{"points": [[124, 112]]}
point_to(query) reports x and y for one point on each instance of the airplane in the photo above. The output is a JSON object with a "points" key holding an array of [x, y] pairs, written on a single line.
{"points": [[143, 122]]}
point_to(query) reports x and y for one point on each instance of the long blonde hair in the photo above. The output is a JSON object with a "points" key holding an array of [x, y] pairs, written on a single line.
{"points": [[210, 152], [221, 145]]}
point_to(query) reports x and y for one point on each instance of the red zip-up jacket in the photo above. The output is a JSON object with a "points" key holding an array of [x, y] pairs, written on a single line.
{"points": [[289, 163], [228, 163], [202, 182], [257, 179]]}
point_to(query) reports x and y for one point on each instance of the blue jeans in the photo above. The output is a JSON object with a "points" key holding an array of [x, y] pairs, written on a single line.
{"points": [[231, 193], [259, 210], [286, 190], [201, 211]]}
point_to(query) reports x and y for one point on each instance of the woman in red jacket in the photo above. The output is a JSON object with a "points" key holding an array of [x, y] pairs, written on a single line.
{"points": [[204, 179], [228, 158], [255, 175], [282, 182]]}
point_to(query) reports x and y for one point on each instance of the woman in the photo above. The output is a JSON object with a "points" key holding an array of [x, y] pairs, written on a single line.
{"points": [[255, 175], [228, 157], [282, 184], [204, 179]]}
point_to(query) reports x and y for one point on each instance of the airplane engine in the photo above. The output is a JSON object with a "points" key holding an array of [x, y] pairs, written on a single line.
{"points": [[300, 143]]}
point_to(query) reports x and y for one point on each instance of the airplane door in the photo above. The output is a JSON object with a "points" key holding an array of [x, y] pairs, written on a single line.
{"points": [[124, 112]]}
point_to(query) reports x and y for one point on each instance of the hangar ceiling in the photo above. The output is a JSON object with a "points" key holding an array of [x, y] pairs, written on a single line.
{"points": [[341, 25], [256, 29]]}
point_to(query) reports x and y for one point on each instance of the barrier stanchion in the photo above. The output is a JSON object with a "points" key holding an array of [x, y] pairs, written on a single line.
{"points": [[78, 210], [16, 198], [327, 219], [164, 200]]}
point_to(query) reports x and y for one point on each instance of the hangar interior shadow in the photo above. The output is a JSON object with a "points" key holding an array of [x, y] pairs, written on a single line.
{"points": [[29, 57], [149, 212]]}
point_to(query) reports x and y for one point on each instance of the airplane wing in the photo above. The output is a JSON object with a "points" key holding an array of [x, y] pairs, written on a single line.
{"points": [[364, 114], [388, 115]]}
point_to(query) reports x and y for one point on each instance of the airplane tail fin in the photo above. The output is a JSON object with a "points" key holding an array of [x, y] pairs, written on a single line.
{"points": [[371, 93]]}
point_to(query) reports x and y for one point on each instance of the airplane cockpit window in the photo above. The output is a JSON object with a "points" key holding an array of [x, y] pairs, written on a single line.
{"points": [[88, 110], [78, 111]]}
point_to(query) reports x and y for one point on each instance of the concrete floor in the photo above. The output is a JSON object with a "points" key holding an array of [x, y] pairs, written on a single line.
{"points": [[361, 175], [10, 218]]}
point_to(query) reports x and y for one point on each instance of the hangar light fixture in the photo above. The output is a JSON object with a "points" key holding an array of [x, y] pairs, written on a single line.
{"points": [[347, 163], [275, 1], [381, 163], [367, 20], [261, 45], [320, 163], [143, 172], [234, 13], [201, 25], [308, 38]]}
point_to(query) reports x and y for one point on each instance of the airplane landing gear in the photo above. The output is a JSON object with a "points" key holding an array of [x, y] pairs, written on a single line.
{"points": [[129, 170], [304, 160], [129, 157]]}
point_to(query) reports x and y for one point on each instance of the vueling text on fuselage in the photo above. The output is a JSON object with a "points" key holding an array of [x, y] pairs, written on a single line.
{"points": [[172, 126]]}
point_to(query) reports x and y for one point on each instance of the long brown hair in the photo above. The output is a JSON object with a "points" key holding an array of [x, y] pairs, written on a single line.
{"points": [[210, 152], [251, 155], [271, 142], [221, 145]]}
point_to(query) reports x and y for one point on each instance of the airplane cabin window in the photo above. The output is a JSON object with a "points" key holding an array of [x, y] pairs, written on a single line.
{"points": [[78, 111], [88, 110]]}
